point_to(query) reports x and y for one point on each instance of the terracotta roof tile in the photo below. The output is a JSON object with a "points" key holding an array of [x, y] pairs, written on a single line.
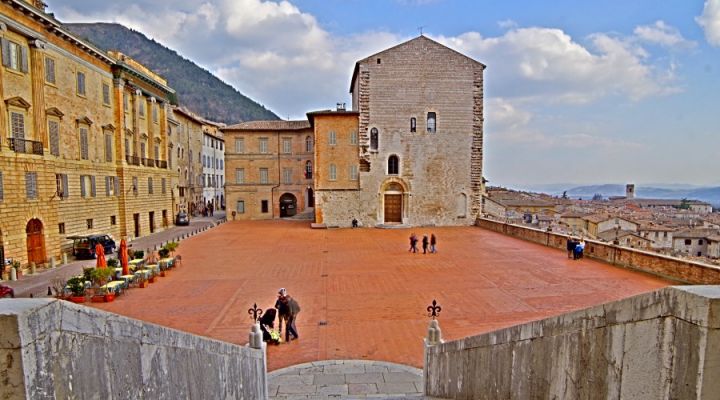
{"points": [[270, 126]]}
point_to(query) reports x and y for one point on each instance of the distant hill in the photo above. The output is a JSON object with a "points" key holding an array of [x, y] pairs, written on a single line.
{"points": [[708, 194], [197, 89]]}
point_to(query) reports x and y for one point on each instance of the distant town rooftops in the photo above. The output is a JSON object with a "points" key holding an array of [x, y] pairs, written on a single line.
{"points": [[269, 126], [197, 118], [695, 233]]}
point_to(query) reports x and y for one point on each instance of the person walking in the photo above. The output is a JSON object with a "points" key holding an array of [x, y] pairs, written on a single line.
{"points": [[433, 242], [413, 243], [283, 309], [293, 311], [425, 243]]}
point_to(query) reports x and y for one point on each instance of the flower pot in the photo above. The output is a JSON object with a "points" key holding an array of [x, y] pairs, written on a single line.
{"points": [[98, 298], [143, 284], [164, 273], [77, 299], [110, 297], [152, 279]]}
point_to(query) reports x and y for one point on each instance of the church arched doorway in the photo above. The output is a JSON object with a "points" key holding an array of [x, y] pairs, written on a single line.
{"points": [[288, 205], [393, 203], [35, 241]]}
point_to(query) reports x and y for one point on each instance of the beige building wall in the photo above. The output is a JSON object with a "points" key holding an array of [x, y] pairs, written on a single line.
{"points": [[256, 150], [440, 175], [68, 96]]}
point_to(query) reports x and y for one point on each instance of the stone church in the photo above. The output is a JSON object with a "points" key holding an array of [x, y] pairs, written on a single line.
{"points": [[408, 153]]}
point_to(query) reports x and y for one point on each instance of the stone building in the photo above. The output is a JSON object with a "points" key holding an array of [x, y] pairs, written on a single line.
{"points": [[190, 151], [213, 162], [409, 152], [269, 169], [85, 143]]}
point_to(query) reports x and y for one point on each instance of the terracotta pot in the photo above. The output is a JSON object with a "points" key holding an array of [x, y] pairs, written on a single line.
{"points": [[143, 284], [152, 279], [109, 297], [163, 273], [98, 298], [77, 299]]}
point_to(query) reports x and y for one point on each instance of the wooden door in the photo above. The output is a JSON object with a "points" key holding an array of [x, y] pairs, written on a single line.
{"points": [[35, 242], [393, 208], [151, 216], [136, 218]]}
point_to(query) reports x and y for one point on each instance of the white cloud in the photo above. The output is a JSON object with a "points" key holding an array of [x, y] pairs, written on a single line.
{"points": [[663, 34], [709, 20], [548, 65]]}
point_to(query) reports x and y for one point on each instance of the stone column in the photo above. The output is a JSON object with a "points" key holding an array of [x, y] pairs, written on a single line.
{"points": [[433, 338], [256, 342], [37, 77]]}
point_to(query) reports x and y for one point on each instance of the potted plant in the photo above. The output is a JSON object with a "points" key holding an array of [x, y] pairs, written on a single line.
{"points": [[141, 282], [18, 270], [164, 252], [171, 247], [99, 277], [76, 285], [113, 262], [138, 255]]}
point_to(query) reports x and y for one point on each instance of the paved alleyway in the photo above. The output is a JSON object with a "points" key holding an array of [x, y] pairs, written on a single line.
{"points": [[38, 283], [363, 296]]}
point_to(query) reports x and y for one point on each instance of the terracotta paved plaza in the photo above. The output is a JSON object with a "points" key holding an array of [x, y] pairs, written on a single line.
{"points": [[367, 287]]}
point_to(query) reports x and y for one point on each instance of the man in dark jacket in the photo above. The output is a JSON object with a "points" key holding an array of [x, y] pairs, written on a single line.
{"points": [[283, 309], [571, 243]]}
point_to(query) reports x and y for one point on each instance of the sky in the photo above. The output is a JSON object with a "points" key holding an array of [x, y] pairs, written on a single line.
{"points": [[575, 91]]}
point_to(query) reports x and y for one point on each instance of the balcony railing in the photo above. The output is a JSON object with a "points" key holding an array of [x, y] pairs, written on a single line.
{"points": [[161, 164], [148, 162], [26, 146], [132, 160]]}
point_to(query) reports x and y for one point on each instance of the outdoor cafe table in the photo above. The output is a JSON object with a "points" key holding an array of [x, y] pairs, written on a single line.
{"points": [[154, 268], [166, 263], [136, 263], [113, 286], [118, 272]]}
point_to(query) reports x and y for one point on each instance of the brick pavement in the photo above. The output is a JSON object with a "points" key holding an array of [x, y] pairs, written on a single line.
{"points": [[37, 284], [363, 296]]}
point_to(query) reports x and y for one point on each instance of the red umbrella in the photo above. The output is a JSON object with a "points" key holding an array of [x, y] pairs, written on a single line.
{"points": [[100, 255], [124, 257]]}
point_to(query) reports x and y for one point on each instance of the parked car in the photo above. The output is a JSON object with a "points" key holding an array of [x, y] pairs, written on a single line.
{"points": [[182, 218], [84, 246], [6, 291]]}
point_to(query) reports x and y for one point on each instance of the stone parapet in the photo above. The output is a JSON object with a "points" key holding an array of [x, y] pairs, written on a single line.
{"points": [[659, 345], [54, 349], [676, 269]]}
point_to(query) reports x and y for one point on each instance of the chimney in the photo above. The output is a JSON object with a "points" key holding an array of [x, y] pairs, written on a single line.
{"points": [[340, 107], [630, 191]]}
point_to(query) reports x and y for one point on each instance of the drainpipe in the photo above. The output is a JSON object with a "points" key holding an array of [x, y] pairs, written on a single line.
{"points": [[272, 189]]}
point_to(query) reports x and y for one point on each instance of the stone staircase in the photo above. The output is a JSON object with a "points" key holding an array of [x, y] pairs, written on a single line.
{"points": [[346, 379]]}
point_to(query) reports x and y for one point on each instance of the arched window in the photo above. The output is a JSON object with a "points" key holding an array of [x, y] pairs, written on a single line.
{"points": [[308, 170], [393, 165], [308, 144], [413, 124], [178, 153], [373, 139], [431, 122]]}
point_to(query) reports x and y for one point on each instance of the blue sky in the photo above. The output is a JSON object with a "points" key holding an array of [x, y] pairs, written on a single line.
{"points": [[576, 91]]}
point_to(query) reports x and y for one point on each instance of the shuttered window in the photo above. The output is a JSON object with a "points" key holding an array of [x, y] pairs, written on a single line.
{"points": [[164, 186], [2, 194], [287, 176], [106, 94], [31, 185], [240, 176], [240, 207], [108, 147], [83, 188], [353, 172], [14, 56], [240, 145], [81, 83], [333, 172], [84, 153], [49, 70], [61, 184], [332, 138], [287, 145], [263, 175], [17, 125], [93, 187], [150, 186], [353, 137], [54, 133]]}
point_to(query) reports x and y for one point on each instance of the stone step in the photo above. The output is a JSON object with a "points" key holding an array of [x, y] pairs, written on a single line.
{"points": [[346, 379]]}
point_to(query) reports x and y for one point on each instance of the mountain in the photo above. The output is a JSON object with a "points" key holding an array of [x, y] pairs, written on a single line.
{"points": [[197, 89]]}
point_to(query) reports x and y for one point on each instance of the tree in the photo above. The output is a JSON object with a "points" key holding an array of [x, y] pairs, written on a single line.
{"points": [[597, 197], [684, 204], [565, 196]]}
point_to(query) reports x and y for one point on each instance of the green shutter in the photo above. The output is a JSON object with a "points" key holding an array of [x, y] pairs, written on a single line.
{"points": [[23, 59], [5, 52]]}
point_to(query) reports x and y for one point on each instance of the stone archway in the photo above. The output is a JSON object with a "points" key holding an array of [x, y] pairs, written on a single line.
{"points": [[35, 241], [288, 205], [393, 199]]}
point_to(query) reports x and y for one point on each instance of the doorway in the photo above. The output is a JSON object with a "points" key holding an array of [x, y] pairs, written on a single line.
{"points": [[393, 204], [311, 198], [288, 205], [151, 217], [35, 241], [136, 220]]}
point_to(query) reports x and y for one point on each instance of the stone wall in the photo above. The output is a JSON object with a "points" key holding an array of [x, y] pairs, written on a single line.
{"points": [[55, 349], [441, 171], [659, 345], [657, 264]]}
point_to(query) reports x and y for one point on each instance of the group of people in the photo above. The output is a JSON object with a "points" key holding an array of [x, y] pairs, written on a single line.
{"points": [[431, 242], [575, 248], [286, 309]]}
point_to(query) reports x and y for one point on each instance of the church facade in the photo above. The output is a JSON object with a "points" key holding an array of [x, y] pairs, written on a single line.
{"points": [[410, 151]]}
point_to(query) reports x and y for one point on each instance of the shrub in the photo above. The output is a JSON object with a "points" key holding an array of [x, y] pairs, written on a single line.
{"points": [[76, 285], [164, 252], [113, 262], [139, 254]]}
